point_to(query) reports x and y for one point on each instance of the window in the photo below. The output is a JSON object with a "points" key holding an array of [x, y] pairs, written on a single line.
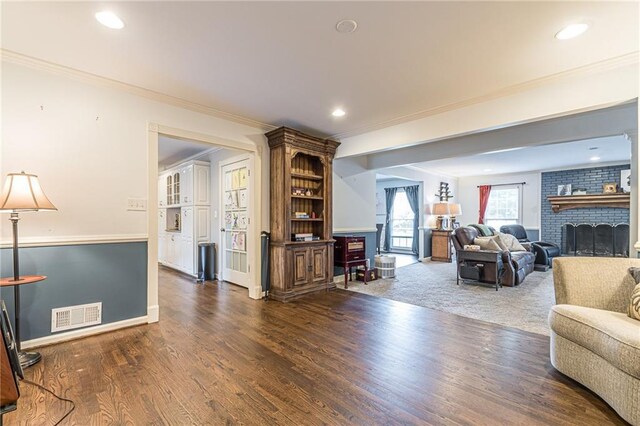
{"points": [[504, 207], [401, 222]]}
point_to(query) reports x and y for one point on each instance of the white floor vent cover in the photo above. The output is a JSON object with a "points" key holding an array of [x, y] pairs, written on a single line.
{"points": [[76, 316]]}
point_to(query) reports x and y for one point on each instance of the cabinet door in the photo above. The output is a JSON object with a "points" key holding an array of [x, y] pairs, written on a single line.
{"points": [[162, 221], [186, 230], [173, 249], [319, 263], [202, 223], [186, 185], [187, 255], [162, 191], [169, 191], [176, 188], [301, 266], [162, 248], [201, 184]]}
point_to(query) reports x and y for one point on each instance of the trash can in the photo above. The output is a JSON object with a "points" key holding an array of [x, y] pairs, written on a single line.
{"points": [[206, 261], [266, 281]]}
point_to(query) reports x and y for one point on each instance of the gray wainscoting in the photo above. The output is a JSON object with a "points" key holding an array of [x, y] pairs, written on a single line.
{"points": [[370, 247], [114, 274], [533, 234]]}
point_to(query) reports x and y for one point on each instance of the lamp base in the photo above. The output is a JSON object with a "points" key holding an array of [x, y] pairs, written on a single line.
{"points": [[27, 359]]}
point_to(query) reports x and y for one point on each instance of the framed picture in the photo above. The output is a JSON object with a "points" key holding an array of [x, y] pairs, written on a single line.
{"points": [[564, 189], [625, 180], [609, 187]]}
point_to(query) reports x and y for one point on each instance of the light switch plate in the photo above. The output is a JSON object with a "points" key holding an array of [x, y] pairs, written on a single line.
{"points": [[136, 204]]}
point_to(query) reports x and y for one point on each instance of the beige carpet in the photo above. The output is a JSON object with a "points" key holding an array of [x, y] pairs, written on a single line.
{"points": [[433, 285]]}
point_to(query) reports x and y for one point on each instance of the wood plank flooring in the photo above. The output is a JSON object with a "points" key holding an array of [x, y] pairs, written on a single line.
{"points": [[340, 358]]}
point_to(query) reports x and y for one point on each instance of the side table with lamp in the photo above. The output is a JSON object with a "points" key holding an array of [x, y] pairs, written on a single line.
{"points": [[22, 193]]}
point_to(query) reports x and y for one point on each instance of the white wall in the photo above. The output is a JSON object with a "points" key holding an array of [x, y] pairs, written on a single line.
{"points": [[88, 144], [470, 200], [354, 197]]}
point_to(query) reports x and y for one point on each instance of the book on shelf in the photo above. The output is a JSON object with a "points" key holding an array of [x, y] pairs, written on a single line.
{"points": [[303, 235], [301, 215], [312, 238]]}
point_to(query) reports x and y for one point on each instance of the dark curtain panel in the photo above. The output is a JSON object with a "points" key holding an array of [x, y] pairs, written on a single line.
{"points": [[412, 196], [390, 194]]}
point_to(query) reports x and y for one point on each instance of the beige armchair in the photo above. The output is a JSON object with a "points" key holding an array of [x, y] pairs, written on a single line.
{"points": [[593, 341]]}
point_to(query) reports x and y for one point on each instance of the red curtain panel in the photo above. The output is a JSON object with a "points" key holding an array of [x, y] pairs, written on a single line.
{"points": [[484, 190]]}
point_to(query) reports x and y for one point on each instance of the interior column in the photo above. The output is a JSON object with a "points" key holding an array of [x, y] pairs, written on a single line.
{"points": [[634, 240]]}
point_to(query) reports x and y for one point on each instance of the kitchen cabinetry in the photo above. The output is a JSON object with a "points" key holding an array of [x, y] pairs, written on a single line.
{"points": [[184, 216]]}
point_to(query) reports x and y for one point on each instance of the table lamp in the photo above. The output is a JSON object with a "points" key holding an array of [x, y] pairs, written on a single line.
{"points": [[21, 193], [454, 210], [440, 210]]}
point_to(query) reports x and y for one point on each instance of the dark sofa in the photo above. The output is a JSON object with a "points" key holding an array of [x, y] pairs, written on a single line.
{"points": [[517, 264]]}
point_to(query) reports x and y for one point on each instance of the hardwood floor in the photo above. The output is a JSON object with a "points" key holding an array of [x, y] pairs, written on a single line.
{"points": [[217, 357]]}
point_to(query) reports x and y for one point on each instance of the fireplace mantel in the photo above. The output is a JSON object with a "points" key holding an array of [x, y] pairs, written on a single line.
{"points": [[566, 202]]}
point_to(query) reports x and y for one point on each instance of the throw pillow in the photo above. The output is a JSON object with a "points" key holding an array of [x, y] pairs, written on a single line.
{"points": [[484, 230], [634, 303], [510, 242], [487, 243]]}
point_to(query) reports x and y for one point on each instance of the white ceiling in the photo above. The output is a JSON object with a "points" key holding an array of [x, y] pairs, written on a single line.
{"points": [[284, 63], [171, 150], [615, 149]]}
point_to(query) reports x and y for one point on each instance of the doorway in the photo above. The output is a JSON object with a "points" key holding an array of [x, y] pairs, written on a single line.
{"points": [[250, 151]]}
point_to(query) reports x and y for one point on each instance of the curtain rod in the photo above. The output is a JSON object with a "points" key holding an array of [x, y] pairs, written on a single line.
{"points": [[506, 184]]}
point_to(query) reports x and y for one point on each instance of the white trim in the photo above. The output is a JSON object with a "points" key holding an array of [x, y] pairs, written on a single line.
{"points": [[76, 240], [153, 313], [349, 230], [596, 67], [83, 332], [193, 158], [39, 64]]}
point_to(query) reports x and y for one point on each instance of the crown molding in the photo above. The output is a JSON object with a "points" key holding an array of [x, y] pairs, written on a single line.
{"points": [[628, 59], [42, 65]]}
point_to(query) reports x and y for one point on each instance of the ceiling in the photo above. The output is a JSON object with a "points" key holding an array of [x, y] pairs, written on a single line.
{"points": [[284, 62], [615, 149], [171, 151]]}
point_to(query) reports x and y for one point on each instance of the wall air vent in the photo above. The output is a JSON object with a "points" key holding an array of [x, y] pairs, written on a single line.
{"points": [[77, 316]]}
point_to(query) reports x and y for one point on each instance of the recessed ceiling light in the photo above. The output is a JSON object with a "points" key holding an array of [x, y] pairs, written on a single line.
{"points": [[346, 26], [594, 158], [488, 170], [571, 31], [110, 20], [338, 112]]}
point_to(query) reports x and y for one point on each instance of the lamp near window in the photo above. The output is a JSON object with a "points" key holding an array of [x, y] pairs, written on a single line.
{"points": [[440, 210], [454, 210], [21, 193]]}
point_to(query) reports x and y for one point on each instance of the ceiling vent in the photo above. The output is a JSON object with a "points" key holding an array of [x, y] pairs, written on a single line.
{"points": [[77, 316]]}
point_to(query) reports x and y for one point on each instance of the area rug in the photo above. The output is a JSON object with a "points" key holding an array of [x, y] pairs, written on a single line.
{"points": [[433, 285]]}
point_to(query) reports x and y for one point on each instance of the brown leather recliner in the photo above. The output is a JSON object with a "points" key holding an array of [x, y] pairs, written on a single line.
{"points": [[517, 264]]}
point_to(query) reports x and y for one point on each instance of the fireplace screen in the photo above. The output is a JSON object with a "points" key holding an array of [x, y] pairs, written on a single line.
{"points": [[601, 239]]}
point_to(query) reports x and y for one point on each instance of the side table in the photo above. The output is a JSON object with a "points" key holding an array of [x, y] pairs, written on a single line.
{"points": [[27, 359], [441, 245]]}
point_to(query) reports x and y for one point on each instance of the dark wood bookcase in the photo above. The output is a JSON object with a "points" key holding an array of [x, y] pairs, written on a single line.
{"points": [[301, 171]]}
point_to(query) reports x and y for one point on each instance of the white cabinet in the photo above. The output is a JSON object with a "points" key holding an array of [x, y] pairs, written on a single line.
{"points": [[185, 190], [162, 190]]}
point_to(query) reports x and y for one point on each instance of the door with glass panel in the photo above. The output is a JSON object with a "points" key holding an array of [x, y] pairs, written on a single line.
{"points": [[236, 231]]}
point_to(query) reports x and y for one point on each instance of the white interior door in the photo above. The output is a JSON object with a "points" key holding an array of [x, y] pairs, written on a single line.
{"points": [[237, 230]]}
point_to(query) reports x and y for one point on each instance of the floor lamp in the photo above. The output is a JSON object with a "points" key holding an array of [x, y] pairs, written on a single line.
{"points": [[21, 193]]}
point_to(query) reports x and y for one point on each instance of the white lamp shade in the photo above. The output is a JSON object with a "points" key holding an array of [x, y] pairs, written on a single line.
{"points": [[440, 209], [455, 209], [22, 192]]}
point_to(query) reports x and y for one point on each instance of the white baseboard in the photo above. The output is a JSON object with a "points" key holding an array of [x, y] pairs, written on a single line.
{"points": [[153, 313], [84, 332]]}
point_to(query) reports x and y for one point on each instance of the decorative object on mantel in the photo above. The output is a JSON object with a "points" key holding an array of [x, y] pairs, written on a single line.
{"points": [[579, 191], [609, 188], [625, 180], [566, 202], [564, 190], [22, 193], [443, 193]]}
